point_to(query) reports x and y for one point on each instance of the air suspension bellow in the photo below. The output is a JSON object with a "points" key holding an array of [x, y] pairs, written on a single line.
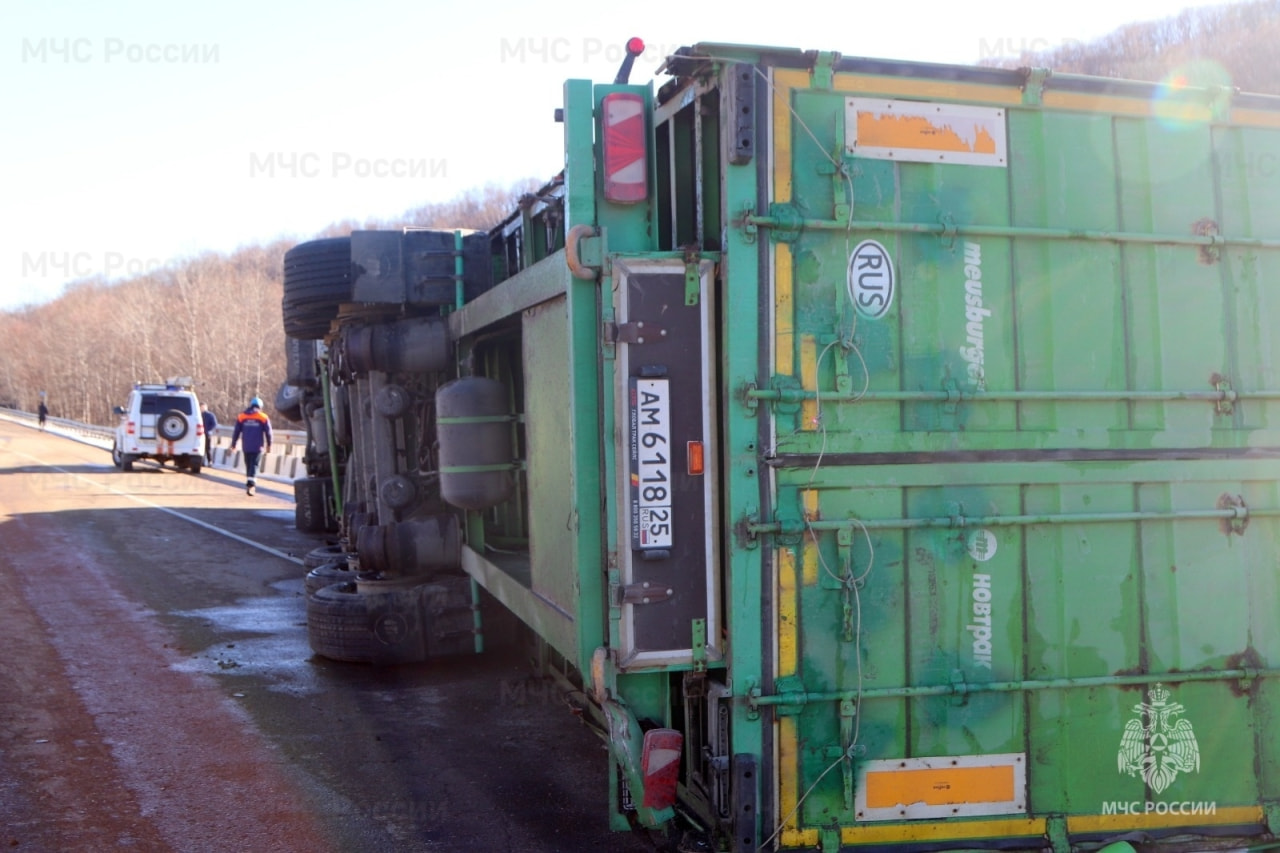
{"points": [[413, 345]]}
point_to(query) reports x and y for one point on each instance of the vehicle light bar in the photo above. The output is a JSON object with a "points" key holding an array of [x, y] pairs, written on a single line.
{"points": [[626, 162]]}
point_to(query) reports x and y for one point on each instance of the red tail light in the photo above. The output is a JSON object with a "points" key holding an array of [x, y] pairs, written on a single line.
{"points": [[626, 166], [660, 767], [129, 428]]}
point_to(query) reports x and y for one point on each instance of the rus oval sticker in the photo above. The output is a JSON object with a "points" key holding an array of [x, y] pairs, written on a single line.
{"points": [[871, 279]]}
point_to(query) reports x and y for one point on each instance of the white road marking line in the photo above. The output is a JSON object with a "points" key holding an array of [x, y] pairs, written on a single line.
{"points": [[227, 533]]}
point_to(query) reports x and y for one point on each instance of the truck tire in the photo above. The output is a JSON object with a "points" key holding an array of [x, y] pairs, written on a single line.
{"points": [[327, 574], [324, 554], [344, 624], [450, 622], [300, 363], [117, 458], [126, 461], [317, 279], [194, 463], [172, 425], [311, 505]]}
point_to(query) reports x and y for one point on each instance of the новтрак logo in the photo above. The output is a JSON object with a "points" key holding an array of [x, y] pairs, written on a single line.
{"points": [[1158, 744]]}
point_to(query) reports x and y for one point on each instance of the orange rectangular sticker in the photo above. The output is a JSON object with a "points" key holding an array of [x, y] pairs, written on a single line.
{"points": [[946, 786], [924, 132]]}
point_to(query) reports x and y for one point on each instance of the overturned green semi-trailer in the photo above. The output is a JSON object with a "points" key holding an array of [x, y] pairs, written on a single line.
{"points": [[890, 452]]}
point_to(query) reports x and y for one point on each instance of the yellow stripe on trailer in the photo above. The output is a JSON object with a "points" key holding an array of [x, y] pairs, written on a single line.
{"points": [[788, 746], [809, 381], [788, 613], [784, 311], [1194, 816], [950, 830], [783, 84], [809, 554]]}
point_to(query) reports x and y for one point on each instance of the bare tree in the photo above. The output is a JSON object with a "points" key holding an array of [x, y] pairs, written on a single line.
{"points": [[1228, 45]]}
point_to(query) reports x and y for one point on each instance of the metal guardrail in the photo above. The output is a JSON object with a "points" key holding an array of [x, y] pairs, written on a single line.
{"points": [[285, 462]]}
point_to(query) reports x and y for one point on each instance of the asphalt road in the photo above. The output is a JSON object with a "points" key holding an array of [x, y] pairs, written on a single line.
{"points": [[157, 691]]}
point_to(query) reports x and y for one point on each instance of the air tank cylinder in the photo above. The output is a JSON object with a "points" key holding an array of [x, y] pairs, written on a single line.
{"points": [[473, 425]]}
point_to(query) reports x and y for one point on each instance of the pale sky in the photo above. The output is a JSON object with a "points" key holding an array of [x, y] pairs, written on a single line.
{"points": [[136, 134]]}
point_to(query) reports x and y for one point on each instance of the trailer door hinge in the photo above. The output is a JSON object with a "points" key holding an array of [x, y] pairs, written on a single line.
{"points": [[692, 277], [640, 593], [699, 645], [632, 333]]}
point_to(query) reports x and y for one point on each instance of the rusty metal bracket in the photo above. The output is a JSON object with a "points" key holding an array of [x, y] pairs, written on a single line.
{"points": [[823, 75], [1240, 520], [947, 239], [954, 395], [744, 531], [750, 231], [1227, 404], [1211, 252], [1033, 80]]}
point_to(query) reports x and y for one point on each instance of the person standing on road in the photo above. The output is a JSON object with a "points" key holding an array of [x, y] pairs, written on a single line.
{"points": [[42, 413], [254, 427], [210, 424]]}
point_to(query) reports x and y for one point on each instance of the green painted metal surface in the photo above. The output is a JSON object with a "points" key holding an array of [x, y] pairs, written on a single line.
{"points": [[999, 535], [1031, 508], [548, 419]]}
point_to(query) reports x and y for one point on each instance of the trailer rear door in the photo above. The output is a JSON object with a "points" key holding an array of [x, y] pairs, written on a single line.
{"points": [[1026, 420], [666, 433]]}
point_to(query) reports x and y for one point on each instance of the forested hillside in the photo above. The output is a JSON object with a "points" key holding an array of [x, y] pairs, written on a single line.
{"points": [[216, 317], [1228, 45]]}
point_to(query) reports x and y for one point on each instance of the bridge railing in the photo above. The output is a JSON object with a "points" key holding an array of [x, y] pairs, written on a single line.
{"points": [[284, 462]]}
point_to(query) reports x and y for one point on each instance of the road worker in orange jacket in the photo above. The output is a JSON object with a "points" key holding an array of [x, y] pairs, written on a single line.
{"points": [[254, 427]]}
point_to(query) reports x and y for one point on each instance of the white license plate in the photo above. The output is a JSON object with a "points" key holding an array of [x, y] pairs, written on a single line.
{"points": [[651, 522]]}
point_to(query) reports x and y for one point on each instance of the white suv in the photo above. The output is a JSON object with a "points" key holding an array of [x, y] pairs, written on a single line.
{"points": [[160, 422]]}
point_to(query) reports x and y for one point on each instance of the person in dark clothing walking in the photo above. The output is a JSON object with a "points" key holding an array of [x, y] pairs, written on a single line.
{"points": [[210, 424], [255, 428], [42, 413]]}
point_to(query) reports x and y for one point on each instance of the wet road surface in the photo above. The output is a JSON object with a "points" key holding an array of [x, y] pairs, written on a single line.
{"points": [[157, 691]]}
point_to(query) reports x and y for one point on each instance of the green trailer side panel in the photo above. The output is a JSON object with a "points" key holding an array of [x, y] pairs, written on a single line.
{"points": [[1175, 297], [1066, 293], [963, 597], [547, 421], [1050, 571], [1248, 203]]}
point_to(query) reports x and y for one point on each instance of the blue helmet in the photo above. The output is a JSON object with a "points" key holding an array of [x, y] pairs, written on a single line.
{"points": [[255, 403]]}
